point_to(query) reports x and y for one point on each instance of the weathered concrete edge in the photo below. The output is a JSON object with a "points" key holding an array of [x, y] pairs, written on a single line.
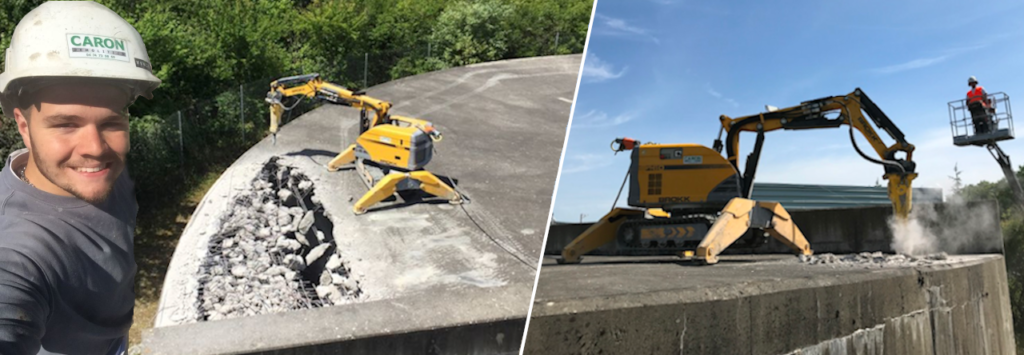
{"points": [[474, 321], [179, 289], [724, 292], [971, 299]]}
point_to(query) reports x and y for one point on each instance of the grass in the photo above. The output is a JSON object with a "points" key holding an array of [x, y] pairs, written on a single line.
{"points": [[156, 235]]}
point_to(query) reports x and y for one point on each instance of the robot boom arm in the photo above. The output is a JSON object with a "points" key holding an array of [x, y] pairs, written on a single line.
{"points": [[314, 87], [851, 109]]}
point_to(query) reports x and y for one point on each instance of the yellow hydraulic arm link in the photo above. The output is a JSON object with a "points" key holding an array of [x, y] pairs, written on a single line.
{"points": [[850, 108], [741, 215], [313, 86]]}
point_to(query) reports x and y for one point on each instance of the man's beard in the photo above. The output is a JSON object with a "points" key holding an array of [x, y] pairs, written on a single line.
{"points": [[47, 173]]}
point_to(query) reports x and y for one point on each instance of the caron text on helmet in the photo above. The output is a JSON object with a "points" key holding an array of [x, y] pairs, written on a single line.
{"points": [[92, 46]]}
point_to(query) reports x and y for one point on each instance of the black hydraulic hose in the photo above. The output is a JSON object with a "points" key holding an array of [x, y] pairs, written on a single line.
{"points": [[297, 102], [873, 160], [624, 179], [288, 110], [861, 153], [513, 253]]}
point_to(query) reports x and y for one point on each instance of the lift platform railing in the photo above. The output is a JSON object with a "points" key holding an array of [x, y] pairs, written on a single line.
{"points": [[962, 125]]}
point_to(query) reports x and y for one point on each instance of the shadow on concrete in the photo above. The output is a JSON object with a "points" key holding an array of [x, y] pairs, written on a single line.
{"points": [[311, 153], [407, 202], [652, 261], [679, 262]]}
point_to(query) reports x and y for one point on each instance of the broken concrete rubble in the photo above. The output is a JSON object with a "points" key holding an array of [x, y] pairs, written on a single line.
{"points": [[873, 260], [275, 252]]}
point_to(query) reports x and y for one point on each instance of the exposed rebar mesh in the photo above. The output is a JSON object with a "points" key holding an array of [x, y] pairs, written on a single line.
{"points": [[275, 252]]}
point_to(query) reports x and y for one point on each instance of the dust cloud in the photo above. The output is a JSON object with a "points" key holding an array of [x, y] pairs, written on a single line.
{"points": [[952, 227]]}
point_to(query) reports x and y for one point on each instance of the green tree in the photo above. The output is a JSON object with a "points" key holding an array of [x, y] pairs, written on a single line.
{"points": [[328, 39], [471, 32], [401, 37], [537, 24], [200, 48], [958, 183], [999, 191]]}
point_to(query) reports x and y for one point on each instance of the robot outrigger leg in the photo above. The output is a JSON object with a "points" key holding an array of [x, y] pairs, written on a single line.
{"points": [[347, 156], [387, 186]]}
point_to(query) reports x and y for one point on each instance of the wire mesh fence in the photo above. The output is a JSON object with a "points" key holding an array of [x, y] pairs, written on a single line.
{"points": [[222, 128]]}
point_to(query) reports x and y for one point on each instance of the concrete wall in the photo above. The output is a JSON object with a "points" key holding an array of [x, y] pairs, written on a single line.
{"points": [[953, 309], [484, 321], [852, 230]]}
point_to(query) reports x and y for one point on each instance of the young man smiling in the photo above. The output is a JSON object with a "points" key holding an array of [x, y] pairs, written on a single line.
{"points": [[67, 207]]}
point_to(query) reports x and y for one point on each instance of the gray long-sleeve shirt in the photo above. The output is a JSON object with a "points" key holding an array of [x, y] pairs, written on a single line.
{"points": [[67, 268]]}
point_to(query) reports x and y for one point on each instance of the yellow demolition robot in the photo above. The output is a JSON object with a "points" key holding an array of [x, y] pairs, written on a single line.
{"points": [[391, 151], [695, 202]]}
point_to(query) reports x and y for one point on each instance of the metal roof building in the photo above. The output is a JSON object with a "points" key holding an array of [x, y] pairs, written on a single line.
{"points": [[804, 197]]}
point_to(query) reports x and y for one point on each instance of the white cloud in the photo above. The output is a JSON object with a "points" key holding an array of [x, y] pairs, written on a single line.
{"points": [[925, 62], [914, 64], [597, 70], [620, 24], [597, 119], [585, 162], [607, 25], [711, 91]]}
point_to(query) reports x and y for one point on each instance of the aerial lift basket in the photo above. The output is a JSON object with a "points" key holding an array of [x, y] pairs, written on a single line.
{"points": [[962, 125]]}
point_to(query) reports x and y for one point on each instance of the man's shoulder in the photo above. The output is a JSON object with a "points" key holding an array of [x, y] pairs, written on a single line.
{"points": [[29, 237], [125, 185]]}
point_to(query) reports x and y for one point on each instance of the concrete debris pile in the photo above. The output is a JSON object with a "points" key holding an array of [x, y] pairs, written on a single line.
{"points": [[275, 252], [876, 259]]}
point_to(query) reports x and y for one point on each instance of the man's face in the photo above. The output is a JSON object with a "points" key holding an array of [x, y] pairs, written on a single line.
{"points": [[78, 138]]}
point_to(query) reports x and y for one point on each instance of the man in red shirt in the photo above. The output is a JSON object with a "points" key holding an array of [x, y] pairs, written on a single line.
{"points": [[980, 106]]}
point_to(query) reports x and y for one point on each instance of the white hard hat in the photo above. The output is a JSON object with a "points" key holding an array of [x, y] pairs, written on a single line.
{"points": [[972, 79], [59, 41]]}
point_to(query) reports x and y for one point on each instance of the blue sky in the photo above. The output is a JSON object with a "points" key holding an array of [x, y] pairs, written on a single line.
{"points": [[663, 71]]}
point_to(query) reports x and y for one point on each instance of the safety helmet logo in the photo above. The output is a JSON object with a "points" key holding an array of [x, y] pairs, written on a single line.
{"points": [[93, 46]]}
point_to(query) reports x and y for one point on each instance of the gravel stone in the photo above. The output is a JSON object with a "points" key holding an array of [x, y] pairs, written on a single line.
{"points": [[333, 262], [254, 261], [239, 270], [873, 260], [326, 278], [295, 262], [306, 222], [316, 253]]}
